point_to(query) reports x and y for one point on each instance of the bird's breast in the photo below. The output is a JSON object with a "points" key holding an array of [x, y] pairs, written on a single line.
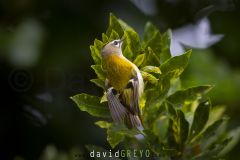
{"points": [[119, 71]]}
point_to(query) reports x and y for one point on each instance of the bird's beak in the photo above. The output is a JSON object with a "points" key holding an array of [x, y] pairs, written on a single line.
{"points": [[121, 41]]}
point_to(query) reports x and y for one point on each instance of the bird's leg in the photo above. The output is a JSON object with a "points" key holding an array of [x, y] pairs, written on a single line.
{"points": [[108, 86]]}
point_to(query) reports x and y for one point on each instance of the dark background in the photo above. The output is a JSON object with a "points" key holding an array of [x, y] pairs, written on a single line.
{"points": [[45, 59]]}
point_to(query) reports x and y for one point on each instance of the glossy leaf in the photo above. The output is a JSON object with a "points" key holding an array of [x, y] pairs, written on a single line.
{"points": [[116, 132], [95, 55], [151, 69], [114, 25], [174, 66], [150, 58], [139, 60], [98, 82], [114, 35], [92, 105], [147, 77], [99, 71], [200, 118], [188, 95]]}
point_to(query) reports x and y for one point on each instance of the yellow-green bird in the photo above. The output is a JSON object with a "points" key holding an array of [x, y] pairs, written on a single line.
{"points": [[124, 85]]}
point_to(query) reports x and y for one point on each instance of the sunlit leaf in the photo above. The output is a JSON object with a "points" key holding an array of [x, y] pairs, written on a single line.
{"points": [[149, 32], [98, 82], [104, 98], [99, 71], [132, 40], [95, 55], [128, 52], [147, 77], [103, 124], [165, 46], [98, 44], [188, 95], [150, 58], [104, 38], [151, 69], [114, 24], [174, 66], [114, 35], [139, 60]]}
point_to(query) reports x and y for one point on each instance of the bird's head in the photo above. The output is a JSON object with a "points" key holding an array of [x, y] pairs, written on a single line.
{"points": [[113, 47]]}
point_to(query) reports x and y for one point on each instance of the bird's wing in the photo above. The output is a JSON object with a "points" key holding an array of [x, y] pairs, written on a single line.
{"points": [[133, 84], [117, 110]]}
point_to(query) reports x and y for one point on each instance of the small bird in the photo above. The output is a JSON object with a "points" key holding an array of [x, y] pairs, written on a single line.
{"points": [[124, 85]]}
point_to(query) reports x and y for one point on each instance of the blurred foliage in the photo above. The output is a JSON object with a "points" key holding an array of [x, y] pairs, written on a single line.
{"points": [[51, 152], [205, 67], [179, 123]]}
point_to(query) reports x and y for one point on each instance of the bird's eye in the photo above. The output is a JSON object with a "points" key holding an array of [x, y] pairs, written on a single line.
{"points": [[115, 43]]}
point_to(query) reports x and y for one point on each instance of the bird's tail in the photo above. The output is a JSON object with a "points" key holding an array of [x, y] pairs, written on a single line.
{"points": [[133, 121]]}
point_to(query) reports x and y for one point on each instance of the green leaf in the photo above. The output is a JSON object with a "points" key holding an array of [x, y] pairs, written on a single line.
{"points": [[213, 152], [103, 124], [128, 53], [151, 69], [139, 60], [216, 113], [147, 77], [188, 95], [160, 43], [200, 118], [95, 55], [174, 66], [114, 25], [178, 130], [160, 127], [124, 25], [104, 98], [104, 38], [155, 96], [98, 82], [183, 126], [212, 129], [116, 132], [151, 58], [171, 110], [165, 46], [99, 71], [133, 41], [152, 38], [92, 105], [149, 32], [114, 138], [235, 134], [114, 35], [98, 44]]}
